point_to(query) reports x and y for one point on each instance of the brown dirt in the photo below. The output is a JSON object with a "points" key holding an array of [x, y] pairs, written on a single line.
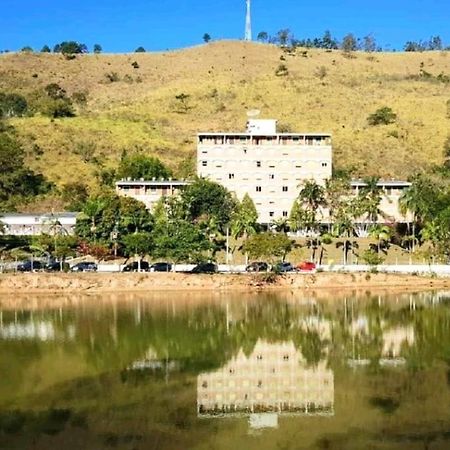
{"points": [[36, 283]]}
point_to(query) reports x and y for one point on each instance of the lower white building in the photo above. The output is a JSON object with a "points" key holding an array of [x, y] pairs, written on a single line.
{"points": [[15, 224]]}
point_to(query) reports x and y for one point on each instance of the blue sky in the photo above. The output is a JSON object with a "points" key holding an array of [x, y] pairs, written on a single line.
{"points": [[121, 26]]}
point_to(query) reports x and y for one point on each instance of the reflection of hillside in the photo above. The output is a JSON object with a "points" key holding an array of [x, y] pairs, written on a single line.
{"points": [[274, 378]]}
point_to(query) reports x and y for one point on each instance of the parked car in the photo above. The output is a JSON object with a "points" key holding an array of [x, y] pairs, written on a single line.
{"points": [[84, 267], [257, 266], [161, 267], [30, 266], [306, 266], [134, 267], [205, 268], [283, 267], [57, 266]]}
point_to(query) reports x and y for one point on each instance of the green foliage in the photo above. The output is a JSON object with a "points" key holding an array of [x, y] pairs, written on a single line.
{"points": [[138, 165], [349, 43], [140, 50], [106, 214], [85, 150], [245, 218], [45, 49], [182, 103], [205, 201], [17, 182], [80, 97], [140, 243], [12, 105], [27, 49], [262, 36], [372, 258], [206, 38], [56, 103], [382, 116], [74, 195], [112, 77], [97, 48], [447, 153], [268, 246], [70, 48]]}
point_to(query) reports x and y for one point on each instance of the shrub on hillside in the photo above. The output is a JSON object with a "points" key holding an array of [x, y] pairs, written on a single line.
{"points": [[12, 105], [282, 71], [70, 48], [112, 77], [382, 116], [55, 103], [372, 258]]}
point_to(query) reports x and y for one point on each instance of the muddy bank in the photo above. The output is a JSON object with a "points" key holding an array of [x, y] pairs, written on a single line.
{"points": [[141, 282]]}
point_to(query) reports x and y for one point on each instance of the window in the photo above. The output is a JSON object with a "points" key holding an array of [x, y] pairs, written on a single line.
{"points": [[231, 176], [298, 166], [285, 188], [258, 189], [324, 164], [272, 176], [204, 163], [285, 213], [271, 214], [258, 163], [205, 152]]}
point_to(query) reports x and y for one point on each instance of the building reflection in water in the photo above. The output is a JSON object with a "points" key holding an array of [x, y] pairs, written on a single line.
{"points": [[274, 380]]}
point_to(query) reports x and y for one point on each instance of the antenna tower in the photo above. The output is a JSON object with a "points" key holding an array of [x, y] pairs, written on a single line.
{"points": [[248, 23]]}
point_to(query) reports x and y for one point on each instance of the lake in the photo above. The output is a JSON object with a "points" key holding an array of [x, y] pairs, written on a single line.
{"points": [[284, 370]]}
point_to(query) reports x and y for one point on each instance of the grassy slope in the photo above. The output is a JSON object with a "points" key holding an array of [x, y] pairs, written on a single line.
{"points": [[224, 79]]}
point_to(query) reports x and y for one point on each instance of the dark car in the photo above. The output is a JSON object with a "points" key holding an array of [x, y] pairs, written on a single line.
{"points": [[283, 267], [161, 267], [257, 266], [30, 266], [84, 267], [205, 268], [134, 267], [57, 266]]}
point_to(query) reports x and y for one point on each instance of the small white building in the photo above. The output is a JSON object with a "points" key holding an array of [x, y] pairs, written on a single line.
{"points": [[149, 192], [16, 224]]}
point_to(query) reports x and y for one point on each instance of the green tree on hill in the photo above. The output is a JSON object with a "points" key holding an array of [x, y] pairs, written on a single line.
{"points": [[206, 38], [140, 50], [45, 49], [268, 246], [382, 116], [70, 48], [97, 48], [349, 43], [137, 166], [262, 36], [12, 105]]}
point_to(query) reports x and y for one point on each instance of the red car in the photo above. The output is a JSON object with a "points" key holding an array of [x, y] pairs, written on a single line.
{"points": [[306, 266]]}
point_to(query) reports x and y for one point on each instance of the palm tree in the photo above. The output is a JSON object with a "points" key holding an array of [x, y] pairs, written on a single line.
{"points": [[92, 211], [367, 204], [381, 233]]}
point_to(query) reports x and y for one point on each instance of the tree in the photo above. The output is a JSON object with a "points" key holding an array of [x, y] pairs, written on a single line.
{"points": [[139, 244], [245, 218], [17, 181], [206, 38], [178, 240], [328, 42], [349, 43], [183, 103], [45, 49], [56, 104], [74, 194], [382, 234], [138, 165], [435, 43], [12, 105], [382, 116], [97, 48], [70, 48], [268, 246], [204, 200], [140, 50], [27, 49], [262, 36], [369, 44], [283, 37], [367, 203]]}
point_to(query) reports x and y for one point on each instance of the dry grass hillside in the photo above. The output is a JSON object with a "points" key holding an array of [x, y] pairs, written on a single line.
{"points": [[323, 91]]}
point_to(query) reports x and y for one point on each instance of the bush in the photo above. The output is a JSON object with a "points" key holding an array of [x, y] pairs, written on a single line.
{"points": [[282, 71], [372, 258], [140, 50], [382, 116], [112, 77], [12, 105]]}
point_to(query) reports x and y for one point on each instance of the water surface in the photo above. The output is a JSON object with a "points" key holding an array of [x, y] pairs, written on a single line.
{"points": [[195, 371]]}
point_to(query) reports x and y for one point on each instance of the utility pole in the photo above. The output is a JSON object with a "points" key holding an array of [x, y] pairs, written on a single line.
{"points": [[248, 23]]}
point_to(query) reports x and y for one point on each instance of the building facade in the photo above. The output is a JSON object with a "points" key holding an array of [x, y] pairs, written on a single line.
{"points": [[149, 192], [36, 224], [266, 165]]}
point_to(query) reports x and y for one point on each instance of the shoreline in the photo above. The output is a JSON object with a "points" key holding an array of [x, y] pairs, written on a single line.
{"points": [[97, 283]]}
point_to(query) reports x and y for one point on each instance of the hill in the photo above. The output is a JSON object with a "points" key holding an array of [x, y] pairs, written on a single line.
{"points": [[131, 103]]}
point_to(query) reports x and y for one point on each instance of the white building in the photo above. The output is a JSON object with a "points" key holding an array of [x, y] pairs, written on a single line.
{"points": [[267, 165], [149, 192], [36, 224]]}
